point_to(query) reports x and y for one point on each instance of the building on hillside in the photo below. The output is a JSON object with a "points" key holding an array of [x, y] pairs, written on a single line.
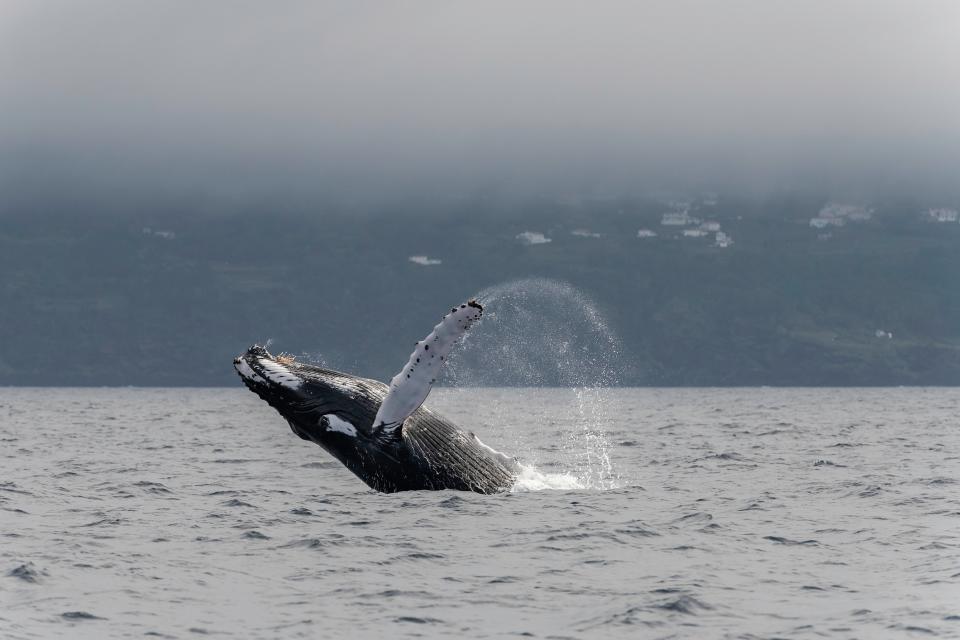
{"points": [[837, 214], [532, 237], [676, 219], [584, 233], [722, 240], [942, 214]]}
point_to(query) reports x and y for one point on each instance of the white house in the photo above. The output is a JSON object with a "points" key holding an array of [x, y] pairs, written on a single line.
{"points": [[424, 260], [821, 223], [837, 214], [942, 215], [722, 240], [166, 235], [584, 233], [676, 219], [695, 233], [646, 233], [532, 237]]}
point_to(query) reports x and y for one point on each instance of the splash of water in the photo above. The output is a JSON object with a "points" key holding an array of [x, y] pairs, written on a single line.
{"points": [[532, 479], [538, 332]]}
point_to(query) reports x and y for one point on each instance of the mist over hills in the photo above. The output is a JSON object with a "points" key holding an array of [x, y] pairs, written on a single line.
{"points": [[703, 289]]}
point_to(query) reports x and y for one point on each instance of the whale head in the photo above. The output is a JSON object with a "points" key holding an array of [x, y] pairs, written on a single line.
{"points": [[333, 409]]}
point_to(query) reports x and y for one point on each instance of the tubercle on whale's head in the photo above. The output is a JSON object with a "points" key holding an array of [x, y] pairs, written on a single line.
{"points": [[316, 402], [262, 372]]}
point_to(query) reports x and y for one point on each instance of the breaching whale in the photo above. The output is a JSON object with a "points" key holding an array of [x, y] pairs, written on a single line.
{"points": [[383, 434]]}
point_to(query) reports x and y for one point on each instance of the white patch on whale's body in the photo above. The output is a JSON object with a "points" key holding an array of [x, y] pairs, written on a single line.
{"points": [[338, 424], [410, 387], [279, 374]]}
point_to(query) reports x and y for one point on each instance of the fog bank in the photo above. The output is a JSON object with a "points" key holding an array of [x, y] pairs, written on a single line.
{"points": [[237, 99]]}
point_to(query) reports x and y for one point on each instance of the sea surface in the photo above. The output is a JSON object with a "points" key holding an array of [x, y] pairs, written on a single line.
{"points": [[643, 513]]}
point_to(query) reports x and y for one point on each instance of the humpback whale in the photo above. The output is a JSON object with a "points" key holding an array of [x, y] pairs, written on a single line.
{"points": [[381, 433]]}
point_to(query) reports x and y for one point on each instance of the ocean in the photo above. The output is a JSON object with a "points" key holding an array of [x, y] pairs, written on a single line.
{"points": [[642, 513]]}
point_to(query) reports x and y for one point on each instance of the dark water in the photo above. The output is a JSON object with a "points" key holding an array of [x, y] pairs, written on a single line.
{"points": [[750, 513]]}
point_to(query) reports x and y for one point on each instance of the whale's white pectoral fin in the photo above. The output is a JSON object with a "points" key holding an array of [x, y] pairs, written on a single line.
{"points": [[410, 387]]}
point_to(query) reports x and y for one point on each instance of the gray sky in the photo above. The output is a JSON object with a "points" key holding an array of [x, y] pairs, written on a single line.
{"points": [[238, 97]]}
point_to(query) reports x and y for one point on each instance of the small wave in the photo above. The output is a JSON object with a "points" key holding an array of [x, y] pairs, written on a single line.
{"points": [[332, 539], [152, 487], [697, 517], [79, 615], [237, 503], [827, 463], [417, 620], [255, 535], [724, 456], [684, 604], [320, 465], [13, 488], [104, 521], [788, 541], [416, 556], [637, 531], [27, 572]]}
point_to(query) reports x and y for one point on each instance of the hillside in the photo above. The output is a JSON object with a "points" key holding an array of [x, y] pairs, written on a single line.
{"points": [[167, 296]]}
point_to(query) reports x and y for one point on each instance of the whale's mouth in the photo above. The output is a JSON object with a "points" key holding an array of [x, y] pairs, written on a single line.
{"points": [[259, 370]]}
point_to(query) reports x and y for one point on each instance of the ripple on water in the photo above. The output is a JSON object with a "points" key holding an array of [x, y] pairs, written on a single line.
{"points": [[827, 463], [686, 604], [152, 487], [637, 530], [789, 542], [332, 539], [253, 534], [104, 522], [28, 572], [695, 518], [12, 487], [79, 615], [418, 620], [235, 502]]}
